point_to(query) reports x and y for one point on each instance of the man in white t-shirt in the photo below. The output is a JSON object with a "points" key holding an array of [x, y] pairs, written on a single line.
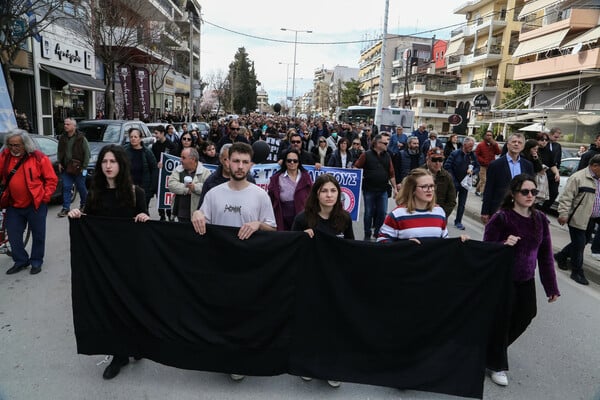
{"points": [[237, 202]]}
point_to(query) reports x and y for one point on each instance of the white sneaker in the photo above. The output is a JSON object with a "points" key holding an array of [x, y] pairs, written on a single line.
{"points": [[237, 377], [499, 378], [306, 378], [596, 256], [334, 384]]}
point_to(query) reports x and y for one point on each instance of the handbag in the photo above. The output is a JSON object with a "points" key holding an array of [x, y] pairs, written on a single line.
{"points": [[73, 167], [541, 180]]}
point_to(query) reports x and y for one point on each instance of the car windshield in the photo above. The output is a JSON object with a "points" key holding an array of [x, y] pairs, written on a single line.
{"points": [[46, 146], [108, 133]]}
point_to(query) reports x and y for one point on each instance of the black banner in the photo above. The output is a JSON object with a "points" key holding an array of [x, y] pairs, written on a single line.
{"points": [[126, 87], [399, 315], [143, 91]]}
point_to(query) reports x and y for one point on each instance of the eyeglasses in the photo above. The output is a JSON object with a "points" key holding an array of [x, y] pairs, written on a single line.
{"points": [[186, 139], [291, 160], [525, 192], [426, 188], [437, 160], [542, 140], [234, 129], [321, 141], [296, 141], [15, 145], [356, 144]]}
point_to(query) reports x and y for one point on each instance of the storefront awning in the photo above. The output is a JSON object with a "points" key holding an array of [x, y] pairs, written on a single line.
{"points": [[454, 47], [588, 37], [533, 6], [541, 43], [75, 79]]}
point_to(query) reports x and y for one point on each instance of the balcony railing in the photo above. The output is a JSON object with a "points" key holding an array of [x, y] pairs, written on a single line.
{"points": [[484, 50], [454, 59], [479, 83]]}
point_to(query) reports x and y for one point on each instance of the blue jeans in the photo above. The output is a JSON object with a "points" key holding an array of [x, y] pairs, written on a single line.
{"points": [[462, 200], [68, 180], [16, 221], [596, 239], [375, 210]]}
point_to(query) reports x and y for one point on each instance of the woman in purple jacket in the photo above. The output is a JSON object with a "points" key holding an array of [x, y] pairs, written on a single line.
{"points": [[288, 189], [519, 224]]}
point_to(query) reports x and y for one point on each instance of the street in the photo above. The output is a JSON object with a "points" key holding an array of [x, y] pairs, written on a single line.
{"points": [[557, 358]]}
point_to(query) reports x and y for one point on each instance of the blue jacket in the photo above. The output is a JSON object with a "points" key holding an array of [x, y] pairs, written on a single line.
{"points": [[458, 163], [394, 140], [404, 163]]}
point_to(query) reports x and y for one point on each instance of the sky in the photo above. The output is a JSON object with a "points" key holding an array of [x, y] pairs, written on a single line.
{"points": [[330, 21]]}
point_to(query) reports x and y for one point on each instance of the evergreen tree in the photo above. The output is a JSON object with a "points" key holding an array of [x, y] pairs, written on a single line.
{"points": [[350, 93], [240, 93]]}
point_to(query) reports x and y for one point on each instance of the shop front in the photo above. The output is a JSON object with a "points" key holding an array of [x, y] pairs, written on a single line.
{"points": [[66, 81]]}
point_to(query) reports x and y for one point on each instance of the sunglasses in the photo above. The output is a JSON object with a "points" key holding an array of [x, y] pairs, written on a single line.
{"points": [[437, 159], [291, 160], [356, 144], [542, 140], [321, 141], [525, 192], [234, 129], [185, 139], [296, 141]]}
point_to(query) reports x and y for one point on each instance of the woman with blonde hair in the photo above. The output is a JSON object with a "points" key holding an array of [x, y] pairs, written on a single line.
{"points": [[417, 215]]}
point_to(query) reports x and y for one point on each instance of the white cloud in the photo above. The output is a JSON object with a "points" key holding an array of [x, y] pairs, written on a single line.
{"points": [[330, 21]]}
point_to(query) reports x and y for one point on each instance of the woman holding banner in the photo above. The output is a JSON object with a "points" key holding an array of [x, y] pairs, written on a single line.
{"points": [[520, 225], [288, 189], [113, 194]]}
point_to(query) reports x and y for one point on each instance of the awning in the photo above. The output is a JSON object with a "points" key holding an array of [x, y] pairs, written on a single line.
{"points": [[536, 5], [537, 127], [541, 43], [75, 79], [517, 118], [454, 47], [588, 37]]}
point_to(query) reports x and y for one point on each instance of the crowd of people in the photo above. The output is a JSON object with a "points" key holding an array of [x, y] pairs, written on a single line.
{"points": [[428, 179]]}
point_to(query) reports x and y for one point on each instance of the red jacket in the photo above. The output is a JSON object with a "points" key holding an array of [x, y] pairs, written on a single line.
{"points": [[300, 195], [486, 153], [38, 173]]}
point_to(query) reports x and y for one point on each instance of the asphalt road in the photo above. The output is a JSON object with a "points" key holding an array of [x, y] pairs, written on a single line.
{"points": [[557, 358]]}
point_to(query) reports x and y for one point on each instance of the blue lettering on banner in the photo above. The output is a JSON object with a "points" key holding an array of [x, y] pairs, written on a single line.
{"points": [[350, 180]]}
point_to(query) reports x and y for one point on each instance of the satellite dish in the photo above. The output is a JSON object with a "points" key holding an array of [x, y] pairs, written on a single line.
{"points": [[576, 48]]}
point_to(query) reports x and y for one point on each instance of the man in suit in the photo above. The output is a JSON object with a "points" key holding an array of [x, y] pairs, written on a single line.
{"points": [[553, 179], [500, 172]]}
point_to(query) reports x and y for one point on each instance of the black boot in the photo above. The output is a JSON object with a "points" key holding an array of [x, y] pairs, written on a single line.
{"points": [[114, 367]]}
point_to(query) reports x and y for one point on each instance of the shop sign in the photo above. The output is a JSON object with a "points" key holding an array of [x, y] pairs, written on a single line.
{"points": [[66, 55]]}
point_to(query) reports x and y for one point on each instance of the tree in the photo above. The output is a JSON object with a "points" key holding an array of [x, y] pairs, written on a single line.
{"points": [[21, 20], [113, 29], [350, 93], [240, 92], [520, 90]]}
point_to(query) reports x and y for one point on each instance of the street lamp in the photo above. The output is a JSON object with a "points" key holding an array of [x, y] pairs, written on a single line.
{"points": [[294, 69], [287, 78]]}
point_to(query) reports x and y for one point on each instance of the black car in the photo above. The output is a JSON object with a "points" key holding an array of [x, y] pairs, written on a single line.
{"points": [[101, 132]]}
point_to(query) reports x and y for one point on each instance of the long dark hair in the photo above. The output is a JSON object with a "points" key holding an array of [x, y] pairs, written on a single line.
{"points": [[284, 164], [123, 181], [529, 144], [339, 217], [513, 188]]}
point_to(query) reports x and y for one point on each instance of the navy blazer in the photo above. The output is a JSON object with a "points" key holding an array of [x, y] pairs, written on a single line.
{"points": [[498, 181]]}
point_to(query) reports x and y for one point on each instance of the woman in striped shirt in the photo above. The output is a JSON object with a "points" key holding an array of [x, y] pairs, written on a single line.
{"points": [[417, 215]]}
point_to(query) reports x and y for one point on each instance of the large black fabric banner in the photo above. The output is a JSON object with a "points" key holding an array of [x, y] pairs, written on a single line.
{"points": [[400, 315]]}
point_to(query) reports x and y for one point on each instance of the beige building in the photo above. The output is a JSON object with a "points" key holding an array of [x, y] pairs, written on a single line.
{"points": [[559, 56], [481, 54]]}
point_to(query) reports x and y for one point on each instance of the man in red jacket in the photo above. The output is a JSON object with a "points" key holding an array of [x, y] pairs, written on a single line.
{"points": [[486, 152], [28, 181]]}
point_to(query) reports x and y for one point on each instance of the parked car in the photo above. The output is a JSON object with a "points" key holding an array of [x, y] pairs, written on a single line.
{"points": [[100, 132], [203, 128], [49, 146]]}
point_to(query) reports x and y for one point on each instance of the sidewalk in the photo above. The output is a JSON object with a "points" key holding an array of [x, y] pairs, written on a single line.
{"points": [[560, 238]]}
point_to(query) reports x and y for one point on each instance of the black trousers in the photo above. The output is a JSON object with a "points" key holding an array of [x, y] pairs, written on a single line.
{"points": [[523, 308]]}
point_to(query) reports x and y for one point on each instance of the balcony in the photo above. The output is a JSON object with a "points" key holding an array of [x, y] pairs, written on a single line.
{"points": [[571, 63], [154, 10], [579, 19], [474, 87]]}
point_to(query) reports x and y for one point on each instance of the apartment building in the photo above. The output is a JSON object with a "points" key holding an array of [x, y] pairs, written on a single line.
{"points": [[559, 56], [370, 65], [480, 52]]}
